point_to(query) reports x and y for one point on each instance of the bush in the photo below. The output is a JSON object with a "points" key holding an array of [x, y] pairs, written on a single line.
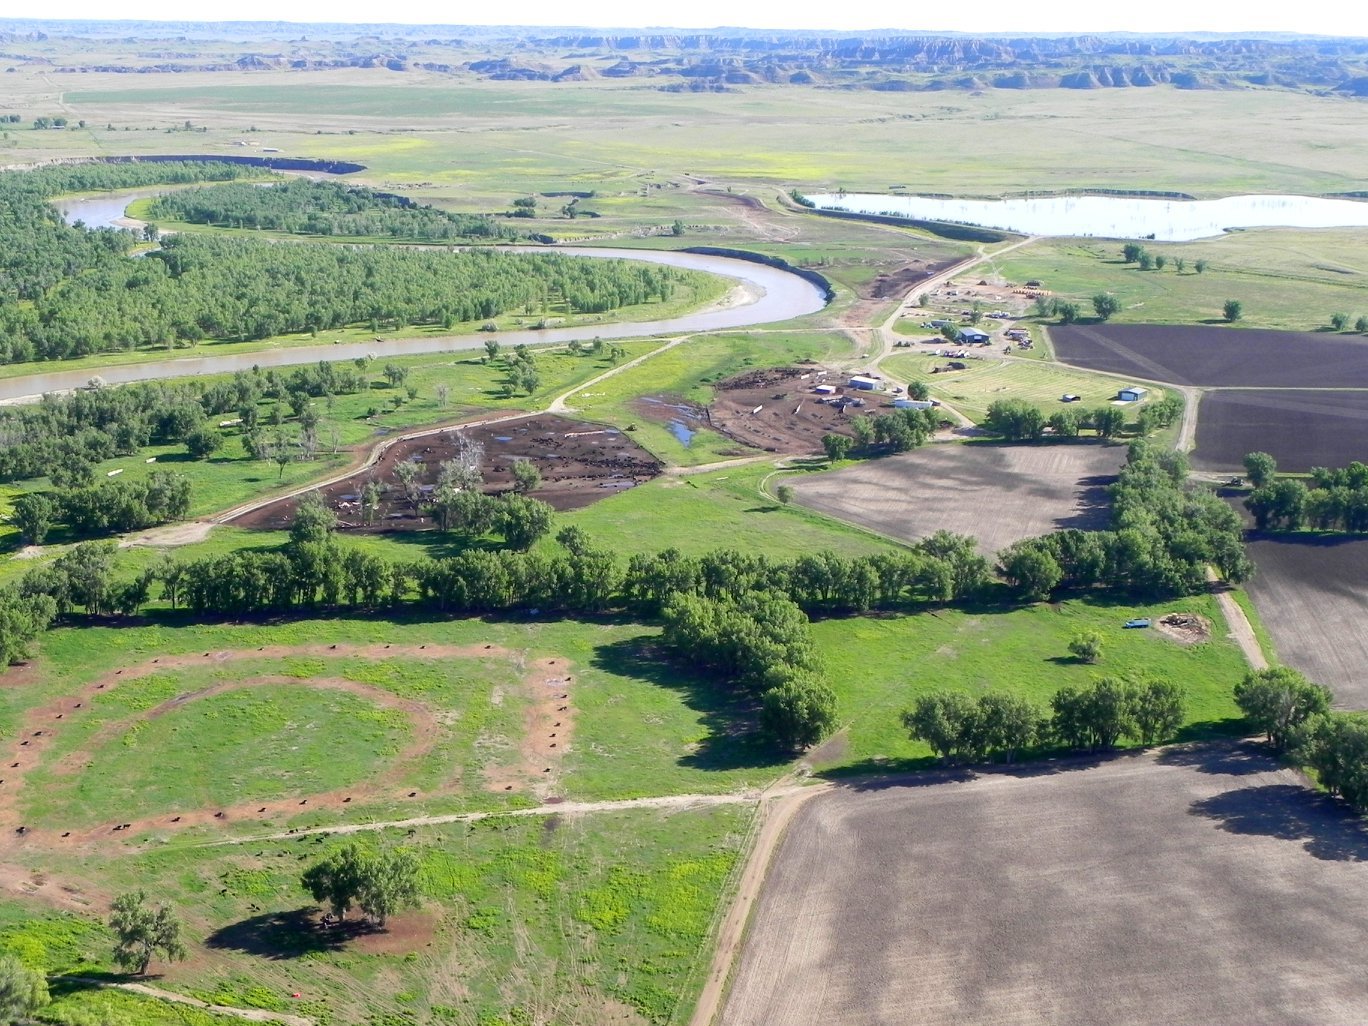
{"points": [[1087, 647]]}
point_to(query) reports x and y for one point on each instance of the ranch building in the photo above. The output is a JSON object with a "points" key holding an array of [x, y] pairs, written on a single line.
{"points": [[863, 383], [973, 336], [1132, 394]]}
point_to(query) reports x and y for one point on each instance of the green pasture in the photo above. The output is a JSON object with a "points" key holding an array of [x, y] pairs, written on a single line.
{"points": [[1283, 278], [529, 136], [879, 666], [613, 910], [985, 381]]}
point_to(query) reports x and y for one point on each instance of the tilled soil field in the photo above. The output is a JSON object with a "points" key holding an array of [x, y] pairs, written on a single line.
{"points": [[580, 463], [1193, 885], [1300, 429], [1311, 595], [1208, 355], [997, 493]]}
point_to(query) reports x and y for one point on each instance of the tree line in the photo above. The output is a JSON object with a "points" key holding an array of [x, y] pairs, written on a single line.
{"points": [[199, 286], [301, 206], [1337, 499], [1164, 534], [882, 434], [114, 507], [1094, 718], [1017, 420]]}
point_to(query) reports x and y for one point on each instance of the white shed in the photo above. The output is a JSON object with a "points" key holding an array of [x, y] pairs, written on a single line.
{"points": [[863, 383]]}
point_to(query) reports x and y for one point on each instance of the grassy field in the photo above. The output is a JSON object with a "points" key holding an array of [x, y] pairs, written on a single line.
{"points": [[1283, 278], [985, 381], [880, 666], [574, 919]]}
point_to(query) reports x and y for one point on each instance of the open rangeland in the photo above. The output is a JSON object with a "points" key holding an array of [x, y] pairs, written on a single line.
{"points": [[1301, 429], [1194, 885], [1309, 591], [1207, 355], [997, 493]]}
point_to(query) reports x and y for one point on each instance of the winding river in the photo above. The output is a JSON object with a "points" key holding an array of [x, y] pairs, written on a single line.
{"points": [[761, 295]]}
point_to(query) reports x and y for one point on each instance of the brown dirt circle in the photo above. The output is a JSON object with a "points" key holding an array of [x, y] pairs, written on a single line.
{"points": [[534, 767]]}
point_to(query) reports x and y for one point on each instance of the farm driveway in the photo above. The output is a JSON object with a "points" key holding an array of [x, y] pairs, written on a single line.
{"points": [[1197, 885]]}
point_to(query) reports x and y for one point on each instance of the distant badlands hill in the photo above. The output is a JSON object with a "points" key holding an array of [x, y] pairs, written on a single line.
{"points": [[711, 61]]}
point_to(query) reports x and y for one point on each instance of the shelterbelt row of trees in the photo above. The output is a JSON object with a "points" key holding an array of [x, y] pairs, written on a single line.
{"points": [[300, 206], [197, 287], [1335, 500], [1165, 533], [38, 250]]}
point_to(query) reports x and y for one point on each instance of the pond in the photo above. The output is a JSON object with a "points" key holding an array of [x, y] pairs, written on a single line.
{"points": [[1114, 217]]}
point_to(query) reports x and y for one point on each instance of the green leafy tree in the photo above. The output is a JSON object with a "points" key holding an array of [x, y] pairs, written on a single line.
{"points": [[203, 442], [522, 521], [1200, 266], [918, 390], [798, 713], [837, 447], [1094, 718], [1006, 724], [1146, 262], [33, 515], [1158, 708], [1030, 569], [1087, 646], [141, 932], [336, 881], [1179, 265], [1160, 261], [1335, 746], [23, 991], [1106, 305], [389, 884], [1233, 310], [948, 722], [1361, 325], [1339, 321], [1067, 312], [784, 493], [526, 476], [1277, 701], [1260, 468], [1131, 252]]}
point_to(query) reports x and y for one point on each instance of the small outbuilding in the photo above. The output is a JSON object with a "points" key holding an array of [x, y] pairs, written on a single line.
{"points": [[825, 389], [863, 383], [973, 336], [1132, 394]]}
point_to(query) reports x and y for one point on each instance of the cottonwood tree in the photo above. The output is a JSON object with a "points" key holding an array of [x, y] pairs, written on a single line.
{"points": [[798, 713], [1278, 700], [1233, 310], [1260, 468], [140, 932], [1105, 304], [379, 883], [526, 476]]}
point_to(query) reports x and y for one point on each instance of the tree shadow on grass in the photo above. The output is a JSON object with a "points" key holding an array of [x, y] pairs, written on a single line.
{"points": [[730, 715], [284, 935], [1327, 828], [882, 774]]}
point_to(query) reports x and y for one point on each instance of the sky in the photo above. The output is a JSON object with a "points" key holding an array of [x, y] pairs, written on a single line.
{"points": [[983, 17]]}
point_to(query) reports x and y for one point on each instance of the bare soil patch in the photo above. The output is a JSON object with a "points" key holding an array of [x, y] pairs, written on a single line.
{"points": [[548, 726], [997, 493], [1184, 628], [1208, 355], [896, 284], [1300, 430], [580, 463], [1193, 885], [1310, 594], [777, 410]]}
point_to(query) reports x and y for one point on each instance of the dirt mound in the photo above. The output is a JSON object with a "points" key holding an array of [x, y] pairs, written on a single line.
{"points": [[896, 284], [1186, 628], [579, 462]]}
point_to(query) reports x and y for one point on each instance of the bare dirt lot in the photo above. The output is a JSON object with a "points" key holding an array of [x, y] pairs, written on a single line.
{"points": [[1300, 429], [1310, 594], [997, 493], [1187, 886], [1207, 355], [774, 410], [580, 463]]}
